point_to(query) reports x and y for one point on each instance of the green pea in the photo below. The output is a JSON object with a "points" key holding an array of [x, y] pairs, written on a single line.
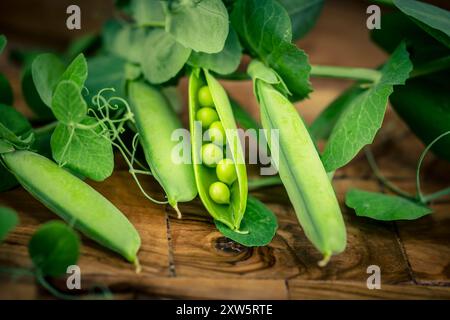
{"points": [[211, 154], [226, 172], [217, 133], [219, 192], [74, 201], [207, 116], [204, 97]]}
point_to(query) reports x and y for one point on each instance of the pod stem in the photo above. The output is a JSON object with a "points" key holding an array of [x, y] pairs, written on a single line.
{"points": [[175, 207], [241, 231], [326, 258], [137, 265]]}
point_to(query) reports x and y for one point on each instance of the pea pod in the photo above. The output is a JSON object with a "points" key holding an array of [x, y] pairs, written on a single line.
{"points": [[155, 122], [230, 214], [302, 172], [74, 201]]}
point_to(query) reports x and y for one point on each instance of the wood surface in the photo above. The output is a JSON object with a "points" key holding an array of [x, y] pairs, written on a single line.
{"points": [[189, 258]]}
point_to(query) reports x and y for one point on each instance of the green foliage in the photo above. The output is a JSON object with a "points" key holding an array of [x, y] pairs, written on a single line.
{"points": [[257, 228], [265, 30], [199, 25], [360, 122], [224, 62], [47, 69], [163, 57], [83, 151], [6, 94], [8, 221], [68, 105], [3, 43], [148, 13], [53, 248], [434, 20], [15, 130], [303, 14], [384, 207]]}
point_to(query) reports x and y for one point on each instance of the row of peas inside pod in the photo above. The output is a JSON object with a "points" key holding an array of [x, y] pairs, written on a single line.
{"points": [[213, 152]]}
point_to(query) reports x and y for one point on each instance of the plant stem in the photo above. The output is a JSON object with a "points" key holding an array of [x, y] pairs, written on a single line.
{"points": [[436, 195], [431, 67], [258, 183], [363, 74], [373, 165], [46, 128]]}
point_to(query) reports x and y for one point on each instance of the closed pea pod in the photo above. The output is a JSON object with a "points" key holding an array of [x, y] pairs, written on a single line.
{"points": [[156, 122], [302, 171], [230, 213], [75, 201]]}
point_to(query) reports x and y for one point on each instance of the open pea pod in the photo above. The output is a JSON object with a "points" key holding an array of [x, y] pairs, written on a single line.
{"points": [[230, 214]]}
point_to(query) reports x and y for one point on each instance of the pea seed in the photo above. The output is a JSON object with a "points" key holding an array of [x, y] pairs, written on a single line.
{"points": [[226, 171], [217, 133], [219, 192], [207, 116], [204, 97], [211, 154]]}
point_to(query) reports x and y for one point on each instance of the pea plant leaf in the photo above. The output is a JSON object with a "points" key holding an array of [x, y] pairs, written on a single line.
{"points": [[15, 128], [3, 42], [384, 207], [199, 25], [148, 13], [46, 70], [224, 62], [84, 151], [265, 30], [323, 125], [303, 14], [163, 57], [6, 93], [359, 123], [53, 248], [77, 71], [32, 98], [124, 41], [68, 104], [259, 224], [106, 71], [432, 19], [7, 179], [8, 221], [398, 27]]}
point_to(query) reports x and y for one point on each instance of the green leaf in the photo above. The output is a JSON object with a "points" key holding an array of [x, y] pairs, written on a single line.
{"points": [[8, 221], [32, 98], [53, 248], [6, 94], [124, 41], [259, 225], [432, 19], [303, 14], [3, 43], [84, 151], [46, 70], [163, 57], [7, 179], [106, 72], [77, 71], [397, 27], [360, 122], [323, 125], [425, 108], [15, 128], [265, 30], [199, 25], [224, 62], [244, 118], [148, 13], [68, 104], [384, 207], [85, 43]]}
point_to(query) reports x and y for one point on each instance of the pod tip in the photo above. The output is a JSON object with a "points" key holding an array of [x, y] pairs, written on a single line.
{"points": [[179, 215], [326, 258], [137, 266]]}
